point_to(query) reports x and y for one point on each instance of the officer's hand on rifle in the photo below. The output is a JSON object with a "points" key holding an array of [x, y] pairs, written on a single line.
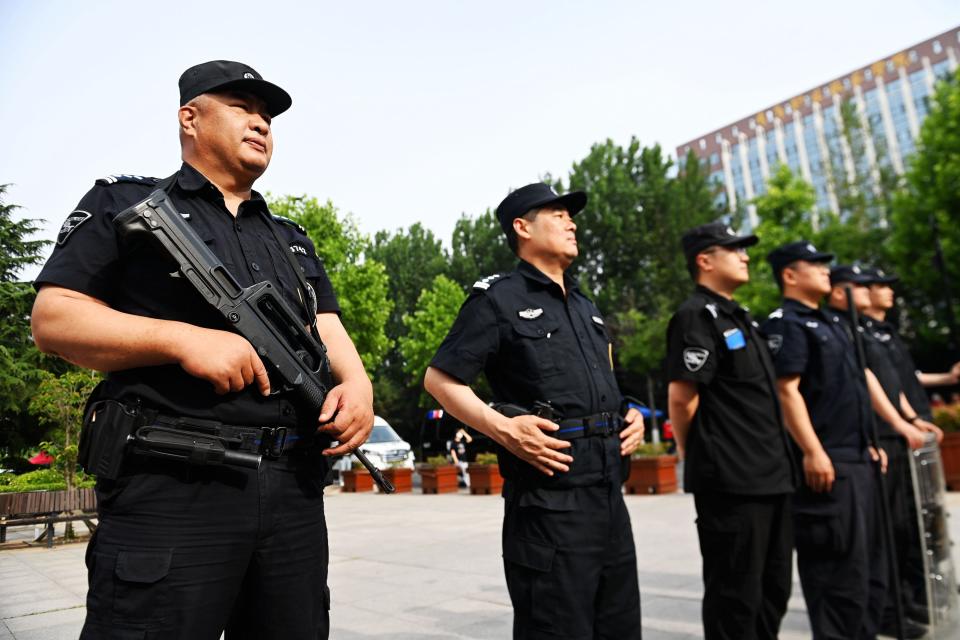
{"points": [[632, 434], [225, 359], [818, 471], [524, 437], [879, 455], [346, 416]]}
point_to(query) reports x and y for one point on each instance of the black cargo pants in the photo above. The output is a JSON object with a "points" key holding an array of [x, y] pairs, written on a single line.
{"points": [[186, 552]]}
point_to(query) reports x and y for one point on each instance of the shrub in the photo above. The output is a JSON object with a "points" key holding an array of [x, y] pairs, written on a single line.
{"points": [[650, 449], [947, 417], [486, 458], [437, 461]]}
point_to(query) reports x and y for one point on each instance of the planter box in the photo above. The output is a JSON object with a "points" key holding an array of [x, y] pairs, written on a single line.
{"points": [[441, 479], [950, 453], [653, 474], [485, 479], [401, 478], [356, 480]]}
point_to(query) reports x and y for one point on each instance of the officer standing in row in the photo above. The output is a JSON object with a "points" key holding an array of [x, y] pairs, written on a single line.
{"points": [[182, 551], [826, 407], [893, 442], [568, 550], [727, 422], [884, 359]]}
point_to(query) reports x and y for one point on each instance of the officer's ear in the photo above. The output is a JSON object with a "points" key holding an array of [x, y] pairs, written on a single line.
{"points": [[702, 262], [521, 227], [187, 116]]}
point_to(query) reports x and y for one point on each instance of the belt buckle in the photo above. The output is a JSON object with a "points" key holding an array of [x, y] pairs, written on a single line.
{"points": [[272, 440]]}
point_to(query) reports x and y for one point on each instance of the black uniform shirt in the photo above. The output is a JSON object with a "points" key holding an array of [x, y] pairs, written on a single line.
{"points": [[90, 258], [737, 443], [906, 368], [813, 344], [877, 348], [534, 344]]}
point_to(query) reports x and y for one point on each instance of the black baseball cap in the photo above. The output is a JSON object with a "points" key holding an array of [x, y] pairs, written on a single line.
{"points": [[534, 196], [714, 234], [849, 273], [792, 252], [879, 276], [226, 75]]}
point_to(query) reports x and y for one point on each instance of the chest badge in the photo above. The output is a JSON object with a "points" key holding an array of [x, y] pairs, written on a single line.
{"points": [[813, 324], [597, 319], [530, 314], [694, 358]]}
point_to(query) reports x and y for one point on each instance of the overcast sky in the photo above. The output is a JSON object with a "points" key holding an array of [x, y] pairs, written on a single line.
{"points": [[415, 110]]}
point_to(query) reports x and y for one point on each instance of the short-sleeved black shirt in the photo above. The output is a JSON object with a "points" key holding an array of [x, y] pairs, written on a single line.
{"points": [[900, 356], [91, 259], [533, 343], [813, 344], [877, 349], [737, 442]]}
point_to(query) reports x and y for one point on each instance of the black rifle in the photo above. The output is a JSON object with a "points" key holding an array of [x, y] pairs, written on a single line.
{"points": [[289, 352], [887, 523]]}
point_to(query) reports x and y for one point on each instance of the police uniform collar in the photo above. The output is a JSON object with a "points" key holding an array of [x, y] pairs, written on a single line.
{"points": [[726, 304], [798, 306], [189, 179], [532, 273]]}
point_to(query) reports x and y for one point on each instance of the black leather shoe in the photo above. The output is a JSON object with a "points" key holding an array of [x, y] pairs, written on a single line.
{"points": [[917, 612], [911, 629]]}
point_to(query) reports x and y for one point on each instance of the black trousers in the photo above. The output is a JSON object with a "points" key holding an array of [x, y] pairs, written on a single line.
{"points": [[747, 548], [841, 555], [188, 552], [906, 528], [570, 564]]}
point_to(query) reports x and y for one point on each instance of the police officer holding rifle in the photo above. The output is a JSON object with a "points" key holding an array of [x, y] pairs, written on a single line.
{"points": [[188, 550]]}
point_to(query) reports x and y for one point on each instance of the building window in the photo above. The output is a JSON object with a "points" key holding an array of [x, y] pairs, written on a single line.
{"points": [[703, 144], [714, 158], [890, 66], [846, 84], [868, 74], [736, 131], [937, 47], [912, 56]]}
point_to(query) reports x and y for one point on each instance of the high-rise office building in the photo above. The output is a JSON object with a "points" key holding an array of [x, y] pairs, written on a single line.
{"points": [[859, 124]]}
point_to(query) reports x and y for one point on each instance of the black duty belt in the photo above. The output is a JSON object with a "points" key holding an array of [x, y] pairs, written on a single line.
{"points": [[601, 424]]}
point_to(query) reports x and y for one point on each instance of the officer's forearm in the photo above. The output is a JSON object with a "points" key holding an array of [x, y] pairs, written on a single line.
{"points": [[344, 359], [796, 417], [936, 379], [85, 331], [683, 399], [881, 403], [461, 402]]}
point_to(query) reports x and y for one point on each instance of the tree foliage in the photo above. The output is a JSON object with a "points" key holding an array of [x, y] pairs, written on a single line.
{"points": [[361, 284], [478, 249], [436, 309]]}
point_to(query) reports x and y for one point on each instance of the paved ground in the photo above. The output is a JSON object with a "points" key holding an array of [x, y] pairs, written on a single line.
{"points": [[412, 566]]}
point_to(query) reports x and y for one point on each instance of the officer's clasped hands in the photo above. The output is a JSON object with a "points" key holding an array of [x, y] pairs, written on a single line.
{"points": [[632, 433], [524, 437]]}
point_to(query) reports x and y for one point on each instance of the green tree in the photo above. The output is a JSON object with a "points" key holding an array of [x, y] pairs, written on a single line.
{"points": [[361, 284], [20, 361], [478, 249], [784, 212], [929, 205], [58, 402], [427, 326]]}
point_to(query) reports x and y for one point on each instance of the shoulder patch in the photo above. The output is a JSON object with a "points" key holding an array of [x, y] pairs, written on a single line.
{"points": [[486, 283], [129, 178], [712, 308], [74, 220], [290, 223], [775, 314], [774, 343]]}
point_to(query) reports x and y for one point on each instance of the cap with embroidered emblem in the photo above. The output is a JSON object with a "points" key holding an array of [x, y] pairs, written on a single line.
{"points": [[849, 273], [535, 196], [226, 75], [794, 252], [713, 234]]}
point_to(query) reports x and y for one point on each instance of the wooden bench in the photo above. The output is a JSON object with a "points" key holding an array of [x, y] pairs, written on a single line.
{"points": [[47, 508]]}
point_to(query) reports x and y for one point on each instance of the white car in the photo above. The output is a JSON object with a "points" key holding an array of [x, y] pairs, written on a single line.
{"points": [[384, 448]]}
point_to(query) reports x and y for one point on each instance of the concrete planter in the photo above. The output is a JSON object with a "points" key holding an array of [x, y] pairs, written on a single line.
{"points": [[652, 474], [400, 477], [485, 479], [442, 479], [356, 480]]}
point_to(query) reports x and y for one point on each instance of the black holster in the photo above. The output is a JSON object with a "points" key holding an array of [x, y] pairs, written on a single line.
{"points": [[108, 428]]}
